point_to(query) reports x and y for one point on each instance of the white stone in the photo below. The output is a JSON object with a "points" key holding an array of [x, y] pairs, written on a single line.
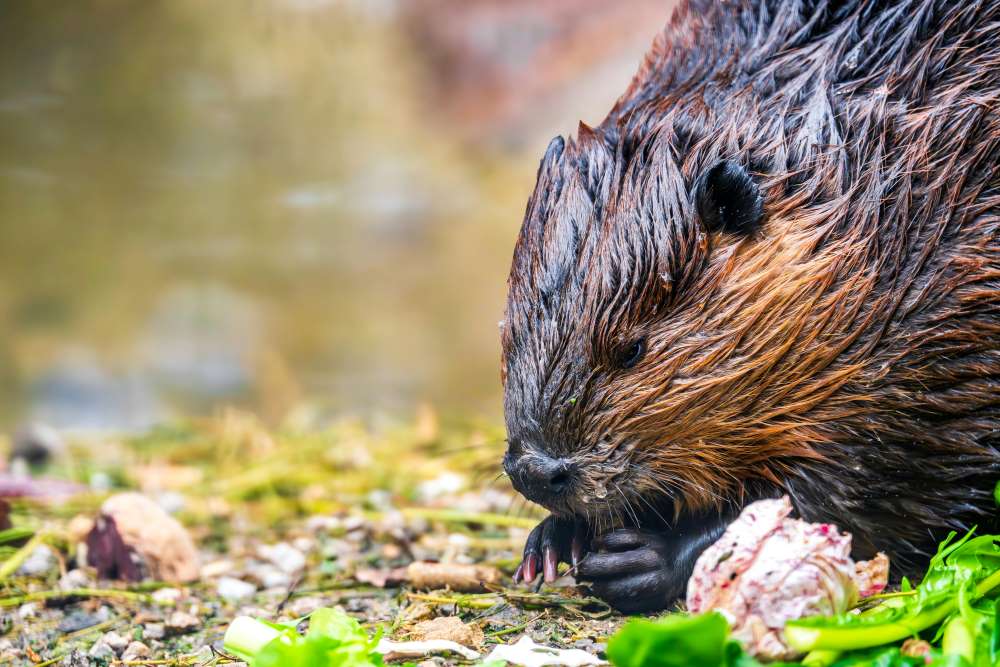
{"points": [[284, 556], [235, 589], [38, 563]]}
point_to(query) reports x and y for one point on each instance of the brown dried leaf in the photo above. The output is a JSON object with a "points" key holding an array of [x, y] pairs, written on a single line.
{"points": [[450, 628]]}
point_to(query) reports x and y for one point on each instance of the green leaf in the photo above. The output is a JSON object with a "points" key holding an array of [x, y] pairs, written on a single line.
{"points": [[334, 639], [961, 572], [677, 640]]}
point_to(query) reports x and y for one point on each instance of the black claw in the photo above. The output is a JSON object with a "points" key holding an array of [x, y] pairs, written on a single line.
{"points": [[551, 542]]}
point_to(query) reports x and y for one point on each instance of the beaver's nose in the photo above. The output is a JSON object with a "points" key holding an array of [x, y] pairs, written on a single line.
{"points": [[542, 477]]}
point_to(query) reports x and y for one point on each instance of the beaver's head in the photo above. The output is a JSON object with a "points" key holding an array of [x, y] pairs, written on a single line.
{"points": [[670, 323]]}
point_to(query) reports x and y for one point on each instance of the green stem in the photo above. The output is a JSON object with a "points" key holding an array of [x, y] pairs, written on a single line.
{"points": [[805, 638], [958, 639], [820, 658], [75, 592], [10, 565], [247, 636]]}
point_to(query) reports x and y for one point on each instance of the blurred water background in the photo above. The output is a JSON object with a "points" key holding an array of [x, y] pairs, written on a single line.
{"points": [[277, 203]]}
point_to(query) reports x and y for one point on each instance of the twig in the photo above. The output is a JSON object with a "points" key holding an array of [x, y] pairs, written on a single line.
{"points": [[484, 601]]}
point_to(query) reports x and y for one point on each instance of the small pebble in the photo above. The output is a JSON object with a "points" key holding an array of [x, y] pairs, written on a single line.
{"points": [[154, 631], [235, 589], [7, 652], [355, 605], [171, 501], [115, 641], [270, 576], [216, 568], [28, 610], [167, 595], [101, 481], [39, 562], [300, 607], [284, 556], [101, 650], [76, 658], [135, 651], [181, 623], [354, 524], [75, 579]]}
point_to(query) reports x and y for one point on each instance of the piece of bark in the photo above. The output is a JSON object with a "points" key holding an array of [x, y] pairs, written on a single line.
{"points": [[455, 576]]}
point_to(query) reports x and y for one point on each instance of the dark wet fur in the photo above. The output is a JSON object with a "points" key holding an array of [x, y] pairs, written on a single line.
{"points": [[846, 351]]}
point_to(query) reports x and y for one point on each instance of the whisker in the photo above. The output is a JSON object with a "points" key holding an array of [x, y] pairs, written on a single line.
{"points": [[653, 508], [628, 505]]}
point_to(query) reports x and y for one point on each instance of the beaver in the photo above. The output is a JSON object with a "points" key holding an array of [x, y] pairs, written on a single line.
{"points": [[773, 269]]}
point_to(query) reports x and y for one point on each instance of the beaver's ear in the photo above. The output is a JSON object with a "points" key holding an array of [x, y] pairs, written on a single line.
{"points": [[729, 200]]}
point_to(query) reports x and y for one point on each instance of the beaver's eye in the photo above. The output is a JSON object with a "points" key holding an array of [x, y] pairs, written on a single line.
{"points": [[632, 353]]}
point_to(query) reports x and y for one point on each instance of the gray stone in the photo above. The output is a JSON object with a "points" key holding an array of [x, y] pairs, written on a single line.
{"points": [[77, 620]]}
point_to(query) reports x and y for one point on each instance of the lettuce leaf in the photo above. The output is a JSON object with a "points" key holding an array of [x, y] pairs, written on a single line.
{"points": [[333, 639]]}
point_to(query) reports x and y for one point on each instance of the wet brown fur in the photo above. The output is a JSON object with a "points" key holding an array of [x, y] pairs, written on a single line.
{"points": [[848, 351]]}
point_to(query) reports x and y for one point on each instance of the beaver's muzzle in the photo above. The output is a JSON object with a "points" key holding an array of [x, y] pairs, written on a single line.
{"points": [[541, 478]]}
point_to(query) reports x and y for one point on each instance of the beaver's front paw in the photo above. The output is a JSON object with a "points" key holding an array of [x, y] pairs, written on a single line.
{"points": [[634, 570], [551, 542]]}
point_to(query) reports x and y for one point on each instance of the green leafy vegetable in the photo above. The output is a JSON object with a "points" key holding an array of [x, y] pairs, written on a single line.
{"points": [[333, 639], [958, 575], [956, 607], [678, 640]]}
